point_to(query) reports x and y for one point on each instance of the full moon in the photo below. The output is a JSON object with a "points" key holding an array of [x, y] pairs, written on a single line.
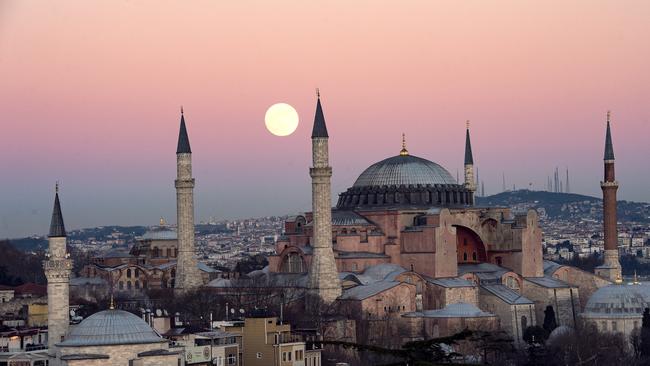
{"points": [[281, 119]]}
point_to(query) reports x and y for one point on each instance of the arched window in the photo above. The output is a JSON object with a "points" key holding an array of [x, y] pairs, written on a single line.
{"points": [[128, 285], [173, 272], [137, 272], [168, 253], [155, 252], [128, 273], [137, 284], [121, 285], [524, 322], [465, 256], [355, 267], [474, 256]]}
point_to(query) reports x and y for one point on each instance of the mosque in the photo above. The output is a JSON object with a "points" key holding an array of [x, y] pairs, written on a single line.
{"points": [[406, 242]]}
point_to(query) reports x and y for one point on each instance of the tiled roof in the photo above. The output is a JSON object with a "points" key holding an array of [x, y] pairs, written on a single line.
{"points": [[364, 292], [507, 295], [456, 310]]}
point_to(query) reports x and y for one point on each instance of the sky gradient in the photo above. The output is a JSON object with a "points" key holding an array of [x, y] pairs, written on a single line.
{"points": [[90, 94]]}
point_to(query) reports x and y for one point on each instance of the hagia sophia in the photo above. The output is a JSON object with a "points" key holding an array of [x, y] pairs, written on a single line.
{"points": [[406, 241]]}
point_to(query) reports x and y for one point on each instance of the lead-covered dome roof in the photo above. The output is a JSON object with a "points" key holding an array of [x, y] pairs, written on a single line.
{"points": [[404, 170], [618, 301], [111, 327]]}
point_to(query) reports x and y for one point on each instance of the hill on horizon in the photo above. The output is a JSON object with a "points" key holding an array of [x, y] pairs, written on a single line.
{"points": [[566, 205]]}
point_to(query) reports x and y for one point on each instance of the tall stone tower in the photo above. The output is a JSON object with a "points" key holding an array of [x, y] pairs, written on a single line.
{"points": [[57, 269], [187, 274], [611, 267], [323, 279], [470, 183]]}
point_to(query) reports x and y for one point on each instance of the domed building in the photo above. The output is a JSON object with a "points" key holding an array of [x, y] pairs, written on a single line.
{"points": [[115, 337], [409, 212], [618, 308]]}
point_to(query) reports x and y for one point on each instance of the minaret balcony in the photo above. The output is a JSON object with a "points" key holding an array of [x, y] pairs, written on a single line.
{"points": [[57, 264], [609, 184]]}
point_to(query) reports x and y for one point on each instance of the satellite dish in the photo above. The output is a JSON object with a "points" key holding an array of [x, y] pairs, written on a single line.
{"points": [[158, 312], [232, 311], [241, 311], [72, 312]]}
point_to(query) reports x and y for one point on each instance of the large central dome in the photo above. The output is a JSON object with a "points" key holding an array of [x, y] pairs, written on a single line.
{"points": [[404, 170], [405, 182]]}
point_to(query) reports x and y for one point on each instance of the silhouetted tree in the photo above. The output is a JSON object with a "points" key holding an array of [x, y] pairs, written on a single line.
{"points": [[645, 334], [549, 319]]}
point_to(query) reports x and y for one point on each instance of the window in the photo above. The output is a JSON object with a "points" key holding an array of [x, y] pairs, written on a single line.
{"points": [[299, 355], [474, 256], [464, 256], [636, 324], [128, 285], [284, 357], [614, 327], [603, 326], [524, 322], [128, 273], [232, 359], [121, 285], [137, 284]]}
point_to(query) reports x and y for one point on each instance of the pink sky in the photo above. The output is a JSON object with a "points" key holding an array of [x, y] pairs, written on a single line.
{"points": [[90, 94]]}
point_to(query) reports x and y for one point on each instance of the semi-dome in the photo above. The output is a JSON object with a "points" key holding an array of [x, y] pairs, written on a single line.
{"points": [[160, 233], [618, 301], [404, 170], [111, 327]]}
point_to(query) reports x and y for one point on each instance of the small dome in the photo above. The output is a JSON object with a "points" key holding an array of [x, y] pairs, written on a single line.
{"points": [[404, 170], [111, 327], [618, 301], [160, 233]]}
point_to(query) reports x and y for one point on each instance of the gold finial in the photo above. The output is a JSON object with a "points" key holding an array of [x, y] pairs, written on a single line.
{"points": [[112, 304], [404, 152], [162, 221], [467, 124], [609, 114], [56, 187], [636, 279], [318, 93]]}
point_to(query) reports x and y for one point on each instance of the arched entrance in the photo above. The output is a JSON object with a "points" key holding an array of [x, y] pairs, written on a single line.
{"points": [[469, 246]]}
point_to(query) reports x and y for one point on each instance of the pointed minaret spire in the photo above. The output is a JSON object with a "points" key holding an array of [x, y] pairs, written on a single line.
{"points": [[609, 148], [611, 267], [320, 129], [57, 228], [183, 140], [470, 182], [323, 279], [469, 160]]}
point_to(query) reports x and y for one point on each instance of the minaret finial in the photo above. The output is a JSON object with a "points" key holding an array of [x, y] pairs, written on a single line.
{"points": [[318, 93], [404, 152], [162, 221], [112, 304], [609, 115], [56, 187], [467, 124], [181, 109]]}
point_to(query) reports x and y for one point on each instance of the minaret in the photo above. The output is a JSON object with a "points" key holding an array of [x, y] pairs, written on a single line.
{"points": [[187, 274], [469, 167], [323, 281], [611, 267], [57, 269]]}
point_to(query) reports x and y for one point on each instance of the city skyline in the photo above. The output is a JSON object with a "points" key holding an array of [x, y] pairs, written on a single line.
{"points": [[107, 129]]}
